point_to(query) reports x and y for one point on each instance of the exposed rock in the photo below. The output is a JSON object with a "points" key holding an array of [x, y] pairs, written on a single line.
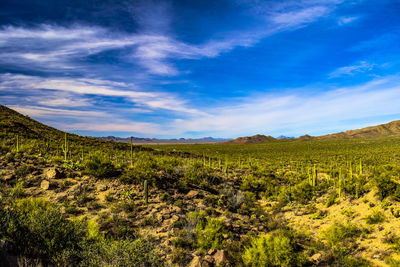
{"points": [[8, 177], [316, 258], [176, 209], [192, 194], [45, 184], [211, 252], [52, 173], [199, 262], [221, 257]]}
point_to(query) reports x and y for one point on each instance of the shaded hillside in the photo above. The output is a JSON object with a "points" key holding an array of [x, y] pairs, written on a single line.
{"points": [[255, 139], [13, 123], [383, 130]]}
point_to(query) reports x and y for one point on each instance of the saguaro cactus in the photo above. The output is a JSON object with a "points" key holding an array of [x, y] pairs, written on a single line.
{"points": [[131, 152], [146, 192], [315, 176], [17, 143], [65, 147]]}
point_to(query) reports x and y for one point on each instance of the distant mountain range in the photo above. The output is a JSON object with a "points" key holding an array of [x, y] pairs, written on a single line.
{"points": [[14, 122], [383, 130], [165, 141]]}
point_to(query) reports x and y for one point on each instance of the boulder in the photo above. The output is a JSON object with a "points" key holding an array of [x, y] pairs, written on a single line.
{"points": [[199, 262], [316, 258], [221, 257], [52, 173], [192, 194], [46, 185]]}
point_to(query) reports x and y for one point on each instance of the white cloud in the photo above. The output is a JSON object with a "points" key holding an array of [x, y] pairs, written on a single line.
{"points": [[96, 87], [299, 17], [64, 102], [346, 20], [362, 66], [45, 112], [54, 48], [309, 112]]}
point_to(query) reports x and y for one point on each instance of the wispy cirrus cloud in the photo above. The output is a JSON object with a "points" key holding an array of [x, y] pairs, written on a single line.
{"points": [[95, 87], [323, 113], [360, 67], [347, 19], [153, 47]]}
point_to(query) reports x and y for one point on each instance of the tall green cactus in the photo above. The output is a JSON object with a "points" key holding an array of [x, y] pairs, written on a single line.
{"points": [[17, 143], [340, 183], [315, 176], [361, 167], [65, 147], [146, 192], [351, 171], [131, 153]]}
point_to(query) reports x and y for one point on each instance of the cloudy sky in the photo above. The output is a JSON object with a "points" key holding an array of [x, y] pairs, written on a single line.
{"points": [[222, 68]]}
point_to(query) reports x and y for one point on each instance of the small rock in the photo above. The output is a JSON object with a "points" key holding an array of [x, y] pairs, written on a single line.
{"points": [[316, 258], [45, 185], [221, 257], [199, 262], [211, 252], [209, 259], [52, 173], [176, 209], [192, 194], [8, 177]]}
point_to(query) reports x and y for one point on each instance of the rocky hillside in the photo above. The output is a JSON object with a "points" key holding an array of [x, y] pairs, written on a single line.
{"points": [[255, 139], [383, 130]]}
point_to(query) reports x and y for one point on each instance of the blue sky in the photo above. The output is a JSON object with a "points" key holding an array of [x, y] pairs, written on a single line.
{"points": [[201, 68]]}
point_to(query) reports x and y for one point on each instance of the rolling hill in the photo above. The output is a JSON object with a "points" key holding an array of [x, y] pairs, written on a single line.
{"points": [[255, 139], [383, 130]]}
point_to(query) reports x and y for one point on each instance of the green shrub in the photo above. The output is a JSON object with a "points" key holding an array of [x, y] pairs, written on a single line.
{"points": [[338, 233], [100, 168], [37, 229], [375, 217], [212, 235], [277, 248], [200, 175], [302, 192], [24, 170], [144, 168], [125, 252], [383, 180]]}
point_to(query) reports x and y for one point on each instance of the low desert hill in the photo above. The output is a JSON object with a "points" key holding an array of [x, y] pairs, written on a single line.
{"points": [[383, 130], [255, 139]]}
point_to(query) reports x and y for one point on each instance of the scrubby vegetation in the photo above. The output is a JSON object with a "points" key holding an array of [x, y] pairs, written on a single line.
{"points": [[79, 201]]}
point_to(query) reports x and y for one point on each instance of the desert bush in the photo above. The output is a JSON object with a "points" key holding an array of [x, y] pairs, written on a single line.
{"points": [[375, 217], [144, 168], [37, 229], [277, 248], [100, 167], [24, 170], [384, 179], [338, 233], [302, 192], [124, 252], [200, 175], [210, 233]]}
